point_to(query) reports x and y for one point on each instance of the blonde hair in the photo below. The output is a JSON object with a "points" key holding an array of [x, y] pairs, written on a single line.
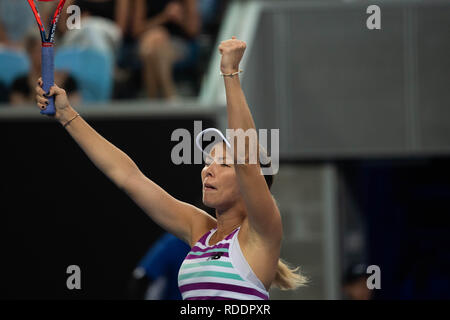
{"points": [[288, 278]]}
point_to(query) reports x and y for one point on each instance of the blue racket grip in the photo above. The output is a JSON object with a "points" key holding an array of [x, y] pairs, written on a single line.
{"points": [[48, 77]]}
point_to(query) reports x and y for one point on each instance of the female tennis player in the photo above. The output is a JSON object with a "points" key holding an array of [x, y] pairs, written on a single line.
{"points": [[235, 255]]}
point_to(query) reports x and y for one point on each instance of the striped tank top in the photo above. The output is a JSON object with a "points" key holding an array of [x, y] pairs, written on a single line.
{"points": [[219, 272]]}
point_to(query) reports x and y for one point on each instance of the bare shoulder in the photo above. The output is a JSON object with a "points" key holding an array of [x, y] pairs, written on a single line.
{"points": [[202, 222]]}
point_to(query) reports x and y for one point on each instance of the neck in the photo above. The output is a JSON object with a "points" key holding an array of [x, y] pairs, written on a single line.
{"points": [[228, 220]]}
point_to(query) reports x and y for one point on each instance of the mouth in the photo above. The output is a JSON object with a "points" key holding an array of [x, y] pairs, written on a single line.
{"points": [[208, 187]]}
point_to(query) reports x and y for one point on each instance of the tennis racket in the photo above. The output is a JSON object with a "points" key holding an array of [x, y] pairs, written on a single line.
{"points": [[47, 58]]}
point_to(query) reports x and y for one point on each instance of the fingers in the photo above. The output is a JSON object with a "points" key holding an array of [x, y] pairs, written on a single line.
{"points": [[52, 91], [42, 106], [41, 101], [55, 90], [232, 43], [41, 96], [40, 91]]}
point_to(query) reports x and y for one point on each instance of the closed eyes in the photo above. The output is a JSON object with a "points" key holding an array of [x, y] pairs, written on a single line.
{"points": [[221, 162]]}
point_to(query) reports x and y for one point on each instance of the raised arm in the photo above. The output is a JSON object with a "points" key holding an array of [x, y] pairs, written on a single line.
{"points": [[263, 214], [175, 216]]}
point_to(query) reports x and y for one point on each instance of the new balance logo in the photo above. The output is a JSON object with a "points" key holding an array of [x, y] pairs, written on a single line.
{"points": [[216, 256]]}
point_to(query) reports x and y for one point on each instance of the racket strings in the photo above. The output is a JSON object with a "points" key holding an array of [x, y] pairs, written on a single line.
{"points": [[47, 14]]}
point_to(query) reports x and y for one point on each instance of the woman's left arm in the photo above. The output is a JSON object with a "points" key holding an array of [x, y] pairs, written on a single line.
{"points": [[263, 214]]}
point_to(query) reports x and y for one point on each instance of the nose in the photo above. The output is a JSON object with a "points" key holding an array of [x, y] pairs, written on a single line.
{"points": [[209, 170]]}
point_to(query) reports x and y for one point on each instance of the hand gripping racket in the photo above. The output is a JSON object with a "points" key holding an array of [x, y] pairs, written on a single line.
{"points": [[47, 58]]}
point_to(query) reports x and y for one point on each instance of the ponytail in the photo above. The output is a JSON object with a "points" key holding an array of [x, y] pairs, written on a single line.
{"points": [[288, 278]]}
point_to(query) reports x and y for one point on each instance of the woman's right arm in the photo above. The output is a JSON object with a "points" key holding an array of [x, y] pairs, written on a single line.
{"points": [[175, 216]]}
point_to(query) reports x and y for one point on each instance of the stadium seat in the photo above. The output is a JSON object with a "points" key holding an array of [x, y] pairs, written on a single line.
{"points": [[92, 70], [12, 64]]}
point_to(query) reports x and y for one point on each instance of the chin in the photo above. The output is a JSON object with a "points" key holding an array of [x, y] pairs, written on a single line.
{"points": [[207, 203]]}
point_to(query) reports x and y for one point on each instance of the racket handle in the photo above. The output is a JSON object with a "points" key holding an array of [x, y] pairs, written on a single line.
{"points": [[48, 77]]}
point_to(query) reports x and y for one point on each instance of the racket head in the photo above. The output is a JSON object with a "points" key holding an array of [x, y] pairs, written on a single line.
{"points": [[50, 38], [37, 16], [54, 21]]}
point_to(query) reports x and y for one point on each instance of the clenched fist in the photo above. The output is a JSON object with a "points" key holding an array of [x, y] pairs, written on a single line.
{"points": [[232, 51]]}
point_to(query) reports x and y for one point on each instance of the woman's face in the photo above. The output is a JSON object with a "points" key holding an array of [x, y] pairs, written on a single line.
{"points": [[220, 186]]}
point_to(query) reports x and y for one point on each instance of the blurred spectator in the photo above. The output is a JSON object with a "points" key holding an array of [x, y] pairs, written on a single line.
{"points": [[3, 93], [355, 283], [3, 36], [22, 88], [21, 94], [19, 35], [156, 276], [103, 23], [166, 30], [16, 18], [90, 52]]}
